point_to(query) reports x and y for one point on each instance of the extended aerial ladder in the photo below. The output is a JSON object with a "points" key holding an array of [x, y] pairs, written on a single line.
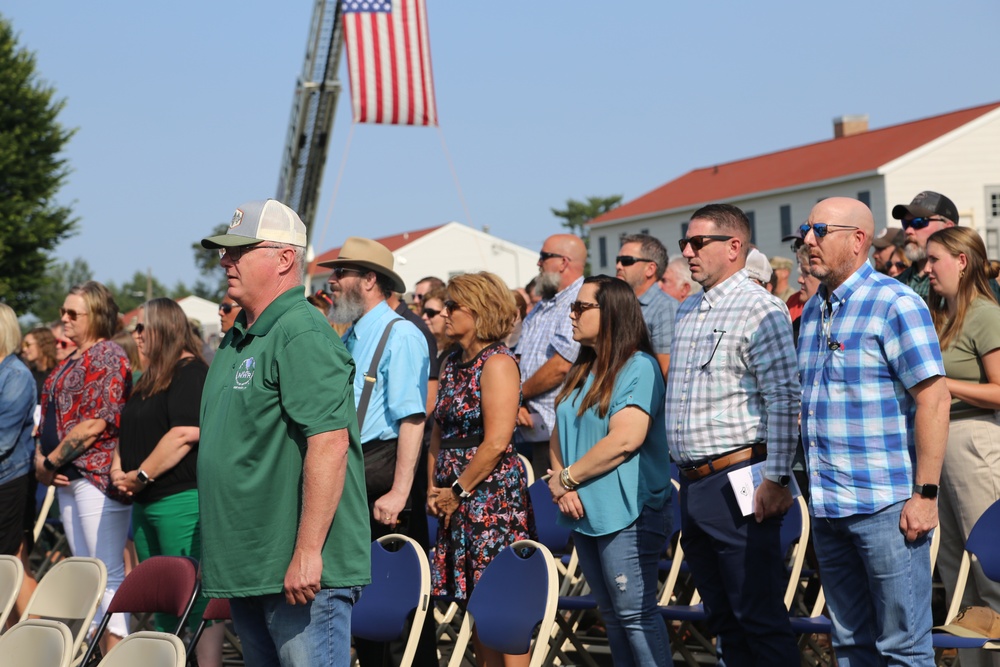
{"points": [[313, 108]]}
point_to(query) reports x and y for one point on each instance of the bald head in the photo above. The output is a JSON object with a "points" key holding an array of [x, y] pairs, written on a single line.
{"points": [[567, 257], [571, 246], [844, 247]]}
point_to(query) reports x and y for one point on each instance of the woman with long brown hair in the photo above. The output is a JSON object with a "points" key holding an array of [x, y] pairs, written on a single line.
{"points": [[967, 319], [38, 350], [611, 467], [156, 459]]}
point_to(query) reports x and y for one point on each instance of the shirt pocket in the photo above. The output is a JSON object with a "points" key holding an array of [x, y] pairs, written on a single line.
{"points": [[844, 365]]}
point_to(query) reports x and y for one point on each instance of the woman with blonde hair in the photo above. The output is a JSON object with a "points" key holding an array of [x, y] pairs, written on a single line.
{"points": [[81, 410], [967, 319], [477, 486]]}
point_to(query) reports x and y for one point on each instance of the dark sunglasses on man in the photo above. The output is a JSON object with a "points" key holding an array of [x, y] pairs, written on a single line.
{"points": [[227, 308], [628, 260], [919, 223]]}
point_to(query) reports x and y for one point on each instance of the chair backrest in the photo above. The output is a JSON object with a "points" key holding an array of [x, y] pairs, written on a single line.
{"points": [[554, 536], [516, 594], [217, 609], [529, 472], [162, 584], [70, 592], [149, 649], [983, 542], [794, 539], [11, 577], [36, 642]]}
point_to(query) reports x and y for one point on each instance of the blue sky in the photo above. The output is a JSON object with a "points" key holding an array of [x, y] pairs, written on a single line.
{"points": [[183, 107]]}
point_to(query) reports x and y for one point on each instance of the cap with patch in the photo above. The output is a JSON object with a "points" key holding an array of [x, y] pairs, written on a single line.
{"points": [[781, 263], [926, 204], [259, 221], [974, 623], [889, 236], [758, 266]]}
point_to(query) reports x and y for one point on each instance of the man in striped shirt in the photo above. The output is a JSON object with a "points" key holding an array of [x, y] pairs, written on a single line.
{"points": [[732, 400], [874, 426]]}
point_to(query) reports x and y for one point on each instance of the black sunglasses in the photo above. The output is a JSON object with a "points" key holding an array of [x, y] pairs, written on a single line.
{"points": [[71, 314], [821, 229], [628, 260], [340, 271], [578, 308], [139, 328], [699, 242], [430, 313], [65, 344], [919, 223], [542, 256], [451, 306], [899, 265], [227, 308]]}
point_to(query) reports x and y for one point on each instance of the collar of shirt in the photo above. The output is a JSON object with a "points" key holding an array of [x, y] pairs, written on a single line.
{"points": [[714, 296], [848, 287], [370, 321], [271, 314]]}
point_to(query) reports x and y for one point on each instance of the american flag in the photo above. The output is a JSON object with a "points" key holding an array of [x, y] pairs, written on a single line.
{"points": [[389, 62]]}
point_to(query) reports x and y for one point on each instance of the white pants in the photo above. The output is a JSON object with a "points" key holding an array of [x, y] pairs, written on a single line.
{"points": [[97, 527]]}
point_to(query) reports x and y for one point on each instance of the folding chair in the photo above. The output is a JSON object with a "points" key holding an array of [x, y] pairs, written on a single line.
{"points": [[36, 642], [162, 584], [514, 597], [528, 470], [149, 649], [984, 546], [217, 609], [399, 593], [11, 577], [70, 592]]}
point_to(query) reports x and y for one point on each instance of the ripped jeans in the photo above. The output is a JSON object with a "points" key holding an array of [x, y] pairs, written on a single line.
{"points": [[621, 569]]}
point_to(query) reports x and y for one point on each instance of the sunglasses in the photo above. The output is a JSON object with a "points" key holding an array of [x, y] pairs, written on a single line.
{"points": [[899, 265], [227, 308], [542, 256], [919, 223], [580, 307], [699, 242], [139, 328], [71, 314], [628, 260], [236, 252], [340, 271], [65, 344], [430, 313], [451, 306], [821, 229]]}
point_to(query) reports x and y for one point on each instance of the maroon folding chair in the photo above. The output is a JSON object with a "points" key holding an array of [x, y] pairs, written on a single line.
{"points": [[217, 609], [161, 584]]}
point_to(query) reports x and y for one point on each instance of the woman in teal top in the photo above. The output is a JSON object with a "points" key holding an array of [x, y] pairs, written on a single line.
{"points": [[614, 490]]}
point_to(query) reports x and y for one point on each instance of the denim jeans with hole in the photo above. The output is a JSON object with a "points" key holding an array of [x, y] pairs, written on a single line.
{"points": [[622, 570], [878, 589], [277, 634]]}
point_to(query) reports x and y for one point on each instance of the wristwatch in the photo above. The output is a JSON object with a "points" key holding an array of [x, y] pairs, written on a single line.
{"points": [[143, 477], [48, 464], [926, 490], [781, 480], [459, 490]]}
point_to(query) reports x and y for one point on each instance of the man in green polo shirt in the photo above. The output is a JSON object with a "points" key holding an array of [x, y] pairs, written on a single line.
{"points": [[280, 469]]}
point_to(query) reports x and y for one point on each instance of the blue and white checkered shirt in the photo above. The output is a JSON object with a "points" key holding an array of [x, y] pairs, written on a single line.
{"points": [[659, 309], [732, 379], [857, 412], [547, 331]]}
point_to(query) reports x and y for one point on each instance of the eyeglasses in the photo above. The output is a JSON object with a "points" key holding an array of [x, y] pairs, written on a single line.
{"points": [[418, 297], [699, 242], [139, 328], [821, 229], [542, 256], [899, 265], [920, 223], [578, 308], [26, 344], [227, 308], [430, 313], [339, 271], [65, 344], [628, 260], [71, 314], [451, 306], [236, 252]]}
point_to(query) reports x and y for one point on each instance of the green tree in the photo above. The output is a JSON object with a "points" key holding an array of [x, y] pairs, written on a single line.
{"points": [[135, 292], [31, 173], [577, 214], [207, 261], [56, 283]]}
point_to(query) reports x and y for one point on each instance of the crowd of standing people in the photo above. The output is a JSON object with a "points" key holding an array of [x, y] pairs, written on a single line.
{"points": [[321, 425]]}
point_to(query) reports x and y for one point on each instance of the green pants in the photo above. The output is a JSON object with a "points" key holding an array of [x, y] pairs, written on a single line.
{"points": [[170, 527]]}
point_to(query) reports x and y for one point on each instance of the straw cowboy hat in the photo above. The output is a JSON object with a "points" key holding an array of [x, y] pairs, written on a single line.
{"points": [[369, 255]]}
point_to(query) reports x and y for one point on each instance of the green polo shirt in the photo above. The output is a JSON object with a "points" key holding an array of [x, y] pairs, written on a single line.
{"points": [[268, 389]]}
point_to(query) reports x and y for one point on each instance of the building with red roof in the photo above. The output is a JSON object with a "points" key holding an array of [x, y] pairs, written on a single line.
{"points": [[957, 154]]}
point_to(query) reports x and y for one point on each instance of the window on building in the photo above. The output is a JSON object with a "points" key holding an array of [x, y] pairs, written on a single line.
{"points": [[644, 231], [995, 204], [865, 197], [786, 220], [753, 226], [602, 250], [684, 229]]}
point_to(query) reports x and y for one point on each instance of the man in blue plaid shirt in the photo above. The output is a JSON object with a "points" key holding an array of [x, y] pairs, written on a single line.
{"points": [[733, 400], [874, 426]]}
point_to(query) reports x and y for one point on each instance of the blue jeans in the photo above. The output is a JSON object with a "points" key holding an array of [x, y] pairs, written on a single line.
{"points": [[621, 569], [275, 633], [879, 589]]}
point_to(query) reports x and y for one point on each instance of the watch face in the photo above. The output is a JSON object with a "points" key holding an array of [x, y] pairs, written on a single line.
{"points": [[142, 477]]}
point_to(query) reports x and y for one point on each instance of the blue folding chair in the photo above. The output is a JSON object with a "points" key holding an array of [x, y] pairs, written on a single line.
{"points": [[514, 598], [398, 595], [985, 547]]}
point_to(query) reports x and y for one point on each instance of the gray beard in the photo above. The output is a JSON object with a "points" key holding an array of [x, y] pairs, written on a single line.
{"points": [[347, 309], [547, 285], [914, 253]]}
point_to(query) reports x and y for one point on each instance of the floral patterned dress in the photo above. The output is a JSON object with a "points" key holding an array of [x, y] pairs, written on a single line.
{"points": [[499, 511]]}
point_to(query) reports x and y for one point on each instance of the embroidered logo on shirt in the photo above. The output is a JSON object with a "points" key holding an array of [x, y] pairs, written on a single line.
{"points": [[244, 374]]}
